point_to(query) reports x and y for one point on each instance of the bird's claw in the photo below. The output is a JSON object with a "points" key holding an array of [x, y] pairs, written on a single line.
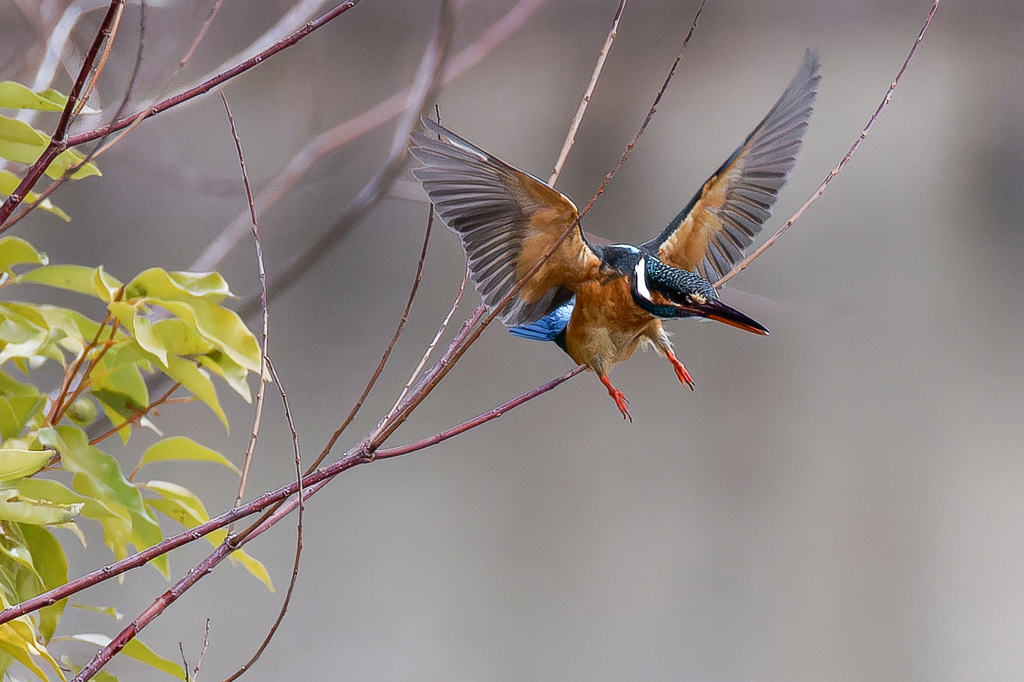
{"points": [[681, 372], [620, 400]]}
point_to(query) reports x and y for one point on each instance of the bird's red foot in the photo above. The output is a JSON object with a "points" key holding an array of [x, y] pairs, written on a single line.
{"points": [[681, 372], [616, 394]]}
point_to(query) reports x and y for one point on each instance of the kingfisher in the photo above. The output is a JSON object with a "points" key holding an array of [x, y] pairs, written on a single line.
{"points": [[597, 300]]}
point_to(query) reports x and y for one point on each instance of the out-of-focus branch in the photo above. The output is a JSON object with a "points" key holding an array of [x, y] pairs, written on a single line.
{"points": [[59, 144], [345, 132], [428, 80]]}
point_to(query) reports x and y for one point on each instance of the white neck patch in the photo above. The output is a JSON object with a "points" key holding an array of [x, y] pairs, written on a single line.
{"points": [[640, 277]]}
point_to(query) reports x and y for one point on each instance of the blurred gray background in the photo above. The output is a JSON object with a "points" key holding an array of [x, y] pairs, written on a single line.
{"points": [[842, 500]]}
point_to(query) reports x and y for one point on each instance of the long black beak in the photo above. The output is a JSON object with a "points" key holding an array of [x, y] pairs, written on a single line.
{"points": [[714, 309]]}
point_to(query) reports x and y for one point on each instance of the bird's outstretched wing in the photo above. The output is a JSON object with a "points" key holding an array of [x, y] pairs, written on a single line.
{"points": [[508, 221], [722, 219]]}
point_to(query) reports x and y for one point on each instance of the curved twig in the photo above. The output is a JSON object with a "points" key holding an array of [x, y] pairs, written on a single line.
{"points": [[739, 267], [265, 333]]}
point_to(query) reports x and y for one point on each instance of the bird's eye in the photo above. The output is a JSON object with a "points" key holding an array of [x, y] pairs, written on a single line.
{"points": [[699, 299]]}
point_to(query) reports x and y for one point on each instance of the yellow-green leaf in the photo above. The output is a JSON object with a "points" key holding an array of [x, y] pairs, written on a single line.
{"points": [[140, 652], [16, 251], [76, 278], [122, 379], [146, 338], [180, 337], [221, 326], [14, 507], [209, 285], [232, 374], [9, 183], [106, 284], [253, 565], [102, 610], [16, 463], [195, 380], [22, 143], [180, 448], [97, 475], [18, 639], [14, 95]]}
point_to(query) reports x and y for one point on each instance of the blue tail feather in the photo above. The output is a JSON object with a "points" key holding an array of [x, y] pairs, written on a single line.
{"points": [[548, 327]]}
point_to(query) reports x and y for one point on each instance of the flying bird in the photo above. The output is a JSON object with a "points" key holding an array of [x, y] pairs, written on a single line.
{"points": [[599, 301]]}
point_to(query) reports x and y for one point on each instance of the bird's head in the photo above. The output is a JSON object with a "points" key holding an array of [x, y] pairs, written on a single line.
{"points": [[666, 291]]}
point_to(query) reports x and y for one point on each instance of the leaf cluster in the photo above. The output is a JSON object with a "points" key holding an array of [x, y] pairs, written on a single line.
{"points": [[52, 475]]}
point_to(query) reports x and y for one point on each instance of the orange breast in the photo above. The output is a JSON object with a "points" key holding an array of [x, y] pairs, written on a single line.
{"points": [[606, 325]]}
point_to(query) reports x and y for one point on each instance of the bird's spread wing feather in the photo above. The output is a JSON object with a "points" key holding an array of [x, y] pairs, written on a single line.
{"points": [[508, 221], [711, 233]]}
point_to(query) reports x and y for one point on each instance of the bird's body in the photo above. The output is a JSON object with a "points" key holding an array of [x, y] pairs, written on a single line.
{"points": [[601, 302]]}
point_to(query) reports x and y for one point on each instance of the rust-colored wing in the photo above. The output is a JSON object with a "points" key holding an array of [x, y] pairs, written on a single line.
{"points": [[508, 221], [711, 233]]}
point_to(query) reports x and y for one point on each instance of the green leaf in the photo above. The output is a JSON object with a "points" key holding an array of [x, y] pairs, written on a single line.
{"points": [[14, 95], [16, 463], [9, 183], [14, 507], [52, 566], [180, 448], [15, 251], [186, 508]]}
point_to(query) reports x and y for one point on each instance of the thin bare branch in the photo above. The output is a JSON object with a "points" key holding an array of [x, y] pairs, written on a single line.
{"points": [[261, 391], [59, 145], [432, 345], [739, 267], [570, 138], [479, 419], [391, 346], [298, 533]]}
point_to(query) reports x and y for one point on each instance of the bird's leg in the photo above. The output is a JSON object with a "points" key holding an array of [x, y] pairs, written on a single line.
{"points": [[681, 372], [616, 394]]}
